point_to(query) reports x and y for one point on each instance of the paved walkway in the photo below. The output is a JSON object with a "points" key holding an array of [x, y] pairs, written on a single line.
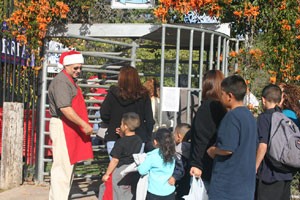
{"points": [[26, 192], [40, 192]]}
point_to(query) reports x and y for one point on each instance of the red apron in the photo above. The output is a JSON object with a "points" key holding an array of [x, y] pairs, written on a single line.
{"points": [[78, 143]]}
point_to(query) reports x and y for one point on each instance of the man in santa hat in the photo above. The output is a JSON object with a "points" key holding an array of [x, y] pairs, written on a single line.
{"points": [[69, 127]]}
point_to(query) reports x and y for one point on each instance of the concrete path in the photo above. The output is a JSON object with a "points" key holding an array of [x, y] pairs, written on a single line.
{"points": [[26, 192], [80, 191]]}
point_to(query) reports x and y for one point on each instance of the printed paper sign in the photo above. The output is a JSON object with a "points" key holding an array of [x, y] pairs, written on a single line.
{"points": [[170, 99]]}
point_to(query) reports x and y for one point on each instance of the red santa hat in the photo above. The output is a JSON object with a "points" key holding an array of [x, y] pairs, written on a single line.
{"points": [[92, 80], [71, 57]]}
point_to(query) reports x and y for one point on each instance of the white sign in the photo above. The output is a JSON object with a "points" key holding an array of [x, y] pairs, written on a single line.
{"points": [[53, 58], [132, 4], [12, 51], [170, 99]]}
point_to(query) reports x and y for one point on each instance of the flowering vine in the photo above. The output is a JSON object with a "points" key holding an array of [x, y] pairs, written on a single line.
{"points": [[271, 30], [29, 21], [170, 10]]}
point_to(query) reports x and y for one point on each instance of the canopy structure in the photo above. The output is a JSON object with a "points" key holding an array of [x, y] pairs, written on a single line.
{"points": [[146, 31], [171, 34]]}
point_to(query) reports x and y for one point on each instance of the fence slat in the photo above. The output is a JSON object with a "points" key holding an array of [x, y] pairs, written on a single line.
{"points": [[12, 145]]}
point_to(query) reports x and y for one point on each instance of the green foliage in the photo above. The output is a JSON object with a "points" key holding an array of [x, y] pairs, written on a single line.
{"points": [[95, 11], [2, 11], [150, 55], [295, 185], [5, 9], [274, 31]]}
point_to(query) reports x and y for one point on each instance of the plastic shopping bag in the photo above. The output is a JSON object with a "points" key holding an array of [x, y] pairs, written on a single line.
{"points": [[106, 190], [197, 191], [101, 132]]}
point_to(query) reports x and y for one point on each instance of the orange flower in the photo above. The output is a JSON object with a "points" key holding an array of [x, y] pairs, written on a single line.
{"points": [[273, 79], [42, 34], [168, 3], [252, 52], [250, 10], [48, 20], [43, 26], [238, 13], [221, 57], [64, 7], [31, 8], [298, 37], [286, 27], [55, 11], [282, 6], [284, 21], [233, 54], [238, 71], [288, 66], [22, 39], [227, 1], [297, 22], [63, 15], [161, 12]]}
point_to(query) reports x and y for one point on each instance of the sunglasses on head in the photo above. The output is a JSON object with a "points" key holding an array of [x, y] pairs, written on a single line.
{"points": [[76, 68]]}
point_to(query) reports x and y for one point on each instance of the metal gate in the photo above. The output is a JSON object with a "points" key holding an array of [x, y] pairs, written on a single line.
{"points": [[206, 49], [107, 62], [19, 83]]}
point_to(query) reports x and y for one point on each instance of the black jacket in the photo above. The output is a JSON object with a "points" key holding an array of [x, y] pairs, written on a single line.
{"points": [[113, 107], [204, 134]]}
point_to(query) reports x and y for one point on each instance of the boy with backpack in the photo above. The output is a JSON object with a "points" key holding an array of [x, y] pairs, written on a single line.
{"points": [[272, 183]]}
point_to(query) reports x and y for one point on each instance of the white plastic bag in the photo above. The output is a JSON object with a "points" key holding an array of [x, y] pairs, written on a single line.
{"points": [[197, 190], [101, 132]]}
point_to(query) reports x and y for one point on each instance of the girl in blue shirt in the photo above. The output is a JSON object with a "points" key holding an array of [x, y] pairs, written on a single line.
{"points": [[159, 165]]}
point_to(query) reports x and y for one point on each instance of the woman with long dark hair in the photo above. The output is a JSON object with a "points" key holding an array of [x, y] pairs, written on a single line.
{"points": [[205, 125], [128, 96]]}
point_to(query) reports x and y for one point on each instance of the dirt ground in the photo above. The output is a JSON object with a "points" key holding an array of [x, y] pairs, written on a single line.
{"points": [[79, 190]]}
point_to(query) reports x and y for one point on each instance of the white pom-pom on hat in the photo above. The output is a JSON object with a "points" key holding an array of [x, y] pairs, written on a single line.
{"points": [[92, 80], [71, 57]]}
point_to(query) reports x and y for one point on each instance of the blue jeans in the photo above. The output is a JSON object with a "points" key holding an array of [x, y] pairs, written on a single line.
{"points": [[109, 146], [96, 140]]}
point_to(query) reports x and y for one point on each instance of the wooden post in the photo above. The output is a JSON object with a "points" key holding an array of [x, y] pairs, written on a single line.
{"points": [[12, 145]]}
